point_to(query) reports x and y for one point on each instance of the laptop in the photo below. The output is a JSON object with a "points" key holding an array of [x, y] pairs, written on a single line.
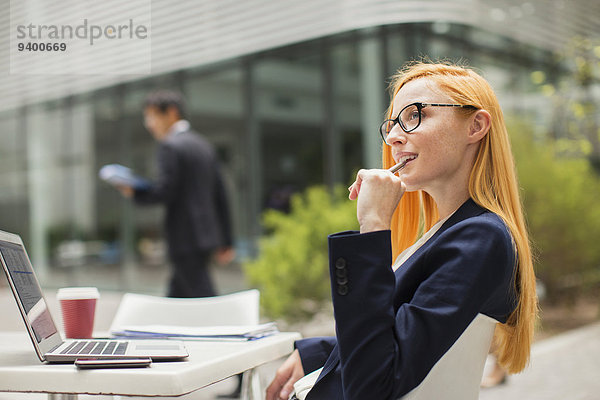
{"points": [[46, 339]]}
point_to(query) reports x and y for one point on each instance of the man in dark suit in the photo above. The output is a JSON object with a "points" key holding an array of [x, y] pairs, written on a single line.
{"points": [[190, 185]]}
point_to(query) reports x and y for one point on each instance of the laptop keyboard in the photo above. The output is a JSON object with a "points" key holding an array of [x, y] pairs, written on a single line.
{"points": [[96, 347]]}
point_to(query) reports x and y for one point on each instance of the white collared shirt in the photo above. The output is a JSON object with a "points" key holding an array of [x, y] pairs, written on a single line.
{"points": [[179, 127]]}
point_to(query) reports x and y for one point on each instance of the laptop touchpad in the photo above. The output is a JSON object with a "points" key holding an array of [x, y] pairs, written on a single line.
{"points": [[166, 346]]}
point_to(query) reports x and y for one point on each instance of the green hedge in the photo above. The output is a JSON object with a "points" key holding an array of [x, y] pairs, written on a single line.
{"points": [[561, 197], [292, 269]]}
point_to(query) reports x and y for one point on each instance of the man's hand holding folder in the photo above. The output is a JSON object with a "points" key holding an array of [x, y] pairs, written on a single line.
{"points": [[122, 177]]}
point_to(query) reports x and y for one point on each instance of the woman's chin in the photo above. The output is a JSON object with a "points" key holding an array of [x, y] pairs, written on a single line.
{"points": [[408, 184], [410, 189]]}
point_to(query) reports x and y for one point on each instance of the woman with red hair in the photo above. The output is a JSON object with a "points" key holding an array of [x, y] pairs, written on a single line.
{"points": [[441, 263]]}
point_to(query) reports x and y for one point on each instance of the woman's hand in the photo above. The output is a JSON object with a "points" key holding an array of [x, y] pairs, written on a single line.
{"points": [[378, 192], [285, 377]]}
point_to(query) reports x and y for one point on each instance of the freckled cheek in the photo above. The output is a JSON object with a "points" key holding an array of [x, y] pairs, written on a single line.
{"points": [[444, 144], [436, 156]]}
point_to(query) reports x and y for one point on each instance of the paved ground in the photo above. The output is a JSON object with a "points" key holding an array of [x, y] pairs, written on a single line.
{"points": [[566, 366]]}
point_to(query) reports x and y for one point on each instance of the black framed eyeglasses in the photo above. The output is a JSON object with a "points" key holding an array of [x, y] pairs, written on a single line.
{"points": [[409, 118]]}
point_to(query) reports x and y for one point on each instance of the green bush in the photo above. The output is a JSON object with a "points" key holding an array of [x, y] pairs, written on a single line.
{"points": [[561, 200], [292, 268]]}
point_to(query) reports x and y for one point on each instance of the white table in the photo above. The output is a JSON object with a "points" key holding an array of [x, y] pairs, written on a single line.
{"points": [[209, 362]]}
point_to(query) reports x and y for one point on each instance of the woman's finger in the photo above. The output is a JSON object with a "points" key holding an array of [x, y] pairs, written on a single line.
{"points": [[285, 377], [274, 389], [355, 187]]}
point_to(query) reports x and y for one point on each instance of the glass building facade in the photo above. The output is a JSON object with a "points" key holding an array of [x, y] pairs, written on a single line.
{"points": [[281, 120]]}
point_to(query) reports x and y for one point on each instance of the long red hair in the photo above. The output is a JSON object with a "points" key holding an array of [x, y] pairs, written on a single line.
{"points": [[492, 184]]}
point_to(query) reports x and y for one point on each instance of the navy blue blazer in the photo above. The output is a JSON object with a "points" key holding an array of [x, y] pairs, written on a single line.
{"points": [[392, 327], [191, 186]]}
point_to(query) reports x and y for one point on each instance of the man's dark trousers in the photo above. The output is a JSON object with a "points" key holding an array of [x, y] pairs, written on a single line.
{"points": [[190, 275]]}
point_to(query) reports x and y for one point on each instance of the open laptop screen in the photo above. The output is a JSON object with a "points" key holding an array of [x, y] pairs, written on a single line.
{"points": [[28, 289]]}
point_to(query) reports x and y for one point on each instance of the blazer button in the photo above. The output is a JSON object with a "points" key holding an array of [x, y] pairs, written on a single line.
{"points": [[341, 273], [342, 281], [340, 263], [342, 290]]}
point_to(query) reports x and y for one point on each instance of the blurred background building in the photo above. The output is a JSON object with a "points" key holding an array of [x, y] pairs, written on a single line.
{"points": [[291, 93]]}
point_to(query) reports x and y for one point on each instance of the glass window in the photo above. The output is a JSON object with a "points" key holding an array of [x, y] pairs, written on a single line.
{"points": [[214, 101], [404, 43], [289, 108], [14, 205], [346, 97]]}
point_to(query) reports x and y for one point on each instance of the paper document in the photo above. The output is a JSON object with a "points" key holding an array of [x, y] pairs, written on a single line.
{"points": [[117, 174], [228, 332]]}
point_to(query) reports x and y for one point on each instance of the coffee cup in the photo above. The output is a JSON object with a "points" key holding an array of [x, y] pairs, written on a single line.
{"points": [[78, 305]]}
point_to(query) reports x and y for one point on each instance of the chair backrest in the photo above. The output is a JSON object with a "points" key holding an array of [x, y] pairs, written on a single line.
{"points": [[240, 308], [457, 375]]}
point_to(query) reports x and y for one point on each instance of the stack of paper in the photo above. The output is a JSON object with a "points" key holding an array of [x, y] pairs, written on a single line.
{"points": [[229, 332]]}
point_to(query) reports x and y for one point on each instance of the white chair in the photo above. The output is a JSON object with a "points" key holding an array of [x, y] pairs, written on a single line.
{"points": [[457, 375], [240, 308]]}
